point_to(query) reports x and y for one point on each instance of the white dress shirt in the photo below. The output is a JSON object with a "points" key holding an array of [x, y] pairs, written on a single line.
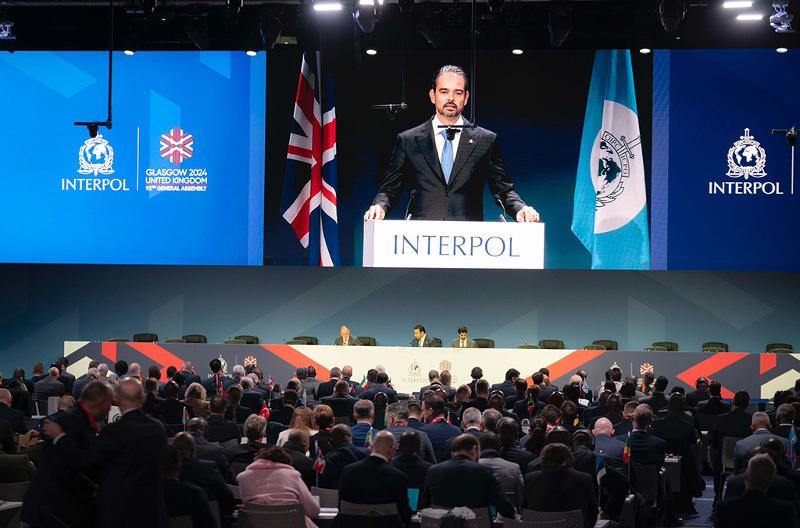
{"points": [[439, 139]]}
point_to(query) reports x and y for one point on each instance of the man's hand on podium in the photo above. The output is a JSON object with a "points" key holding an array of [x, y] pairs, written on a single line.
{"points": [[527, 214], [375, 212]]}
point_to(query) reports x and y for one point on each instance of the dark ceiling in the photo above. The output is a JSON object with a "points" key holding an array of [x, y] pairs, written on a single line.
{"points": [[73, 25]]}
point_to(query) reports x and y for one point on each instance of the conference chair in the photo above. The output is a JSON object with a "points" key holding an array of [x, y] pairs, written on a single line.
{"points": [[235, 342], [713, 350], [309, 340], [528, 346], [296, 342], [215, 513], [655, 348], [517, 523], [264, 516], [235, 491], [593, 347], [174, 340], [779, 348], [484, 343], [195, 338], [366, 341], [145, 337], [181, 521], [436, 342], [565, 519], [671, 346], [716, 344], [117, 340], [553, 344], [647, 481], [328, 498], [610, 344], [249, 339]]}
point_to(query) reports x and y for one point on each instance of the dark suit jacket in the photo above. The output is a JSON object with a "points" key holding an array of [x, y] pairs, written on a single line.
{"points": [[7, 444], [781, 489], [341, 405], [713, 405], [507, 387], [253, 400], [336, 461], [210, 385], [375, 481], [171, 411], [22, 401], [439, 434], [351, 341], [204, 473], [519, 456], [415, 164], [745, 445], [14, 417], [562, 490], [303, 464], [221, 430], [212, 451], [375, 388], [283, 415], [45, 388], [414, 467], [754, 508], [427, 341], [462, 482], [734, 423], [657, 401], [325, 388], [647, 448], [182, 499], [696, 396], [242, 456], [608, 447]]}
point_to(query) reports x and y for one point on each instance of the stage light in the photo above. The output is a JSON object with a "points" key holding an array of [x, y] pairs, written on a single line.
{"points": [[251, 53], [372, 52], [671, 13], [129, 52], [750, 17], [737, 4], [645, 51], [325, 6], [782, 50]]}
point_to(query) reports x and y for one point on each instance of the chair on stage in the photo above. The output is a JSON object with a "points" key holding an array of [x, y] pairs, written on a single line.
{"points": [[593, 347], [235, 342], [248, 339], [308, 340], [436, 342], [552, 344], [610, 344], [779, 348], [655, 348], [195, 338], [145, 337], [528, 346], [484, 343], [719, 345], [366, 341], [328, 498], [671, 346]]}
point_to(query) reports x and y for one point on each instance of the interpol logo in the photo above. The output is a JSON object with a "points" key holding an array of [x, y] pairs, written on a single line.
{"points": [[96, 156], [746, 158], [613, 166]]}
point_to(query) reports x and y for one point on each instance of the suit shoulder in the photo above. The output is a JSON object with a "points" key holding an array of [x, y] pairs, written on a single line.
{"points": [[415, 131], [485, 133]]}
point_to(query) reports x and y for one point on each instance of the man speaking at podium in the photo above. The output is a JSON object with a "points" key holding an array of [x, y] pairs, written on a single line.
{"points": [[446, 168]]}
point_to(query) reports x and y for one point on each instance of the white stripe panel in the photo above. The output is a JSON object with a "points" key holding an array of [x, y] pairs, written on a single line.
{"points": [[329, 116], [304, 241], [324, 254], [296, 157], [291, 213], [329, 209], [329, 154]]}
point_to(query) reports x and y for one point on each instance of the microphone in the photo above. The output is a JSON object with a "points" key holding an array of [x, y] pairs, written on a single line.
{"points": [[411, 195], [499, 203], [451, 133]]}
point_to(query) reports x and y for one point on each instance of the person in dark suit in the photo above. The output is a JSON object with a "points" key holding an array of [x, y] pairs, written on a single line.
{"points": [[198, 428], [217, 379], [714, 404], [509, 444], [374, 480], [80, 383], [203, 473], [380, 385], [781, 488], [182, 498], [171, 410], [760, 426], [344, 453], [251, 398], [310, 383], [326, 388], [219, 429], [14, 417], [481, 399], [341, 402], [421, 338], [283, 414], [437, 428], [49, 386], [242, 455], [754, 507], [397, 422], [21, 397], [415, 415], [296, 447], [446, 169], [409, 461], [129, 459], [347, 375], [784, 420], [508, 387], [605, 444], [700, 394], [658, 399], [472, 423], [558, 487], [61, 493], [152, 400], [7, 443], [462, 481], [520, 391], [189, 375], [344, 338], [734, 424], [463, 340], [66, 379], [646, 448], [584, 458]]}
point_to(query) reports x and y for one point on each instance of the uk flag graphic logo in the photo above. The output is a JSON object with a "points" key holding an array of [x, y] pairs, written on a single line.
{"points": [[177, 146]]}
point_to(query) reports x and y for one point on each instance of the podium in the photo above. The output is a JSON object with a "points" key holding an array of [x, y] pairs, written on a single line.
{"points": [[453, 244]]}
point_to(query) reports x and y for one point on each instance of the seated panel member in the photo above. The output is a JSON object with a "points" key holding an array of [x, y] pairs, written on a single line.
{"points": [[463, 340], [344, 338], [421, 338], [446, 162]]}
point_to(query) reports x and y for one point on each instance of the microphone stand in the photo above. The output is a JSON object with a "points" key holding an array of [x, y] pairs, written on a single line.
{"points": [[791, 137], [499, 203]]}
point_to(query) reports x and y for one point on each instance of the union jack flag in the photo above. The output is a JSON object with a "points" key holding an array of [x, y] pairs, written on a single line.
{"points": [[177, 146], [309, 188]]}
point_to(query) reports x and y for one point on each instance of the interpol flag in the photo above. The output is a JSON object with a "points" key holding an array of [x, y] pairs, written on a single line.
{"points": [[308, 201], [609, 214]]}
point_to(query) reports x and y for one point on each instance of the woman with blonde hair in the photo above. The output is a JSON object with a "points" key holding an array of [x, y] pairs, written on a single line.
{"points": [[303, 418], [196, 400]]}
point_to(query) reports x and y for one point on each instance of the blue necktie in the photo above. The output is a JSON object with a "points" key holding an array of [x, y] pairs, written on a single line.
{"points": [[447, 156]]}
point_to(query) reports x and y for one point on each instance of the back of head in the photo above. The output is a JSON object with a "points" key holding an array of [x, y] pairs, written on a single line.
{"points": [[476, 373], [507, 430], [66, 402], [121, 367], [490, 441], [218, 405], [410, 443], [642, 416], [676, 404], [172, 462], [336, 373], [558, 435], [382, 378], [341, 435], [445, 377], [512, 374], [150, 385], [235, 393], [435, 405], [482, 388], [130, 393], [397, 411], [661, 384], [96, 392], [741, 399], [364, 410], [760, 420], [715, 389], [311, 371], [184, 443], [471, 417], [760, 473], [197, 425], [299, 437], [491, 417], [784, 414], [537, 378], [323, 417], [465, 444], [582, 438], [383, 444], [274, 454], [433, 375], [414, 409], [341, 387], [255, 427], [556, 456]]}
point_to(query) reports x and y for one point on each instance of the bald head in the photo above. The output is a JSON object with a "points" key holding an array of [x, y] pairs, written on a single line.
{"points": [[603, 427], [130, 394], [5, 397], [383, 444]]}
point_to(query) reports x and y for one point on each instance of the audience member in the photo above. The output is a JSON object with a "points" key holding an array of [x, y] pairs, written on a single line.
{"points": [[219, 429], [297, 447], [310, 383], [283, 414], [49, 386], [182, 498], [605, 444], [409, 460], [699, 394], [507, 472], [646, 448], [714, 404], [320, 442], [343, 454], [509, 444], [217, 384], [437, 428], [760, 425], [236, 412], [204, 474], [397, 420], [242, 455], [196, 399], [198, 428], [14, 417], [508, 387], [326, 388], [380, 385], [658, 399], [364, 412]]}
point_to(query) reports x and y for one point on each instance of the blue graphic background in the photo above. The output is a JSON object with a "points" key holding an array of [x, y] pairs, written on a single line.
{"points": [[703, 100], [218, 97]]}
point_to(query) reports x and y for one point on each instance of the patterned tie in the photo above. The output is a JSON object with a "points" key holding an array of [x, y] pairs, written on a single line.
{"points": [[447, 156]]}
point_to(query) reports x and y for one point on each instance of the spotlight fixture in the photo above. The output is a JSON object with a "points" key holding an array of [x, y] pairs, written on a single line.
{"points": [[737, 4], [323, 6], [645, 51], [782, 50], [750, 17], [559, 23], [366, 15], [372, 52], [671, 13], [781, 19]]}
